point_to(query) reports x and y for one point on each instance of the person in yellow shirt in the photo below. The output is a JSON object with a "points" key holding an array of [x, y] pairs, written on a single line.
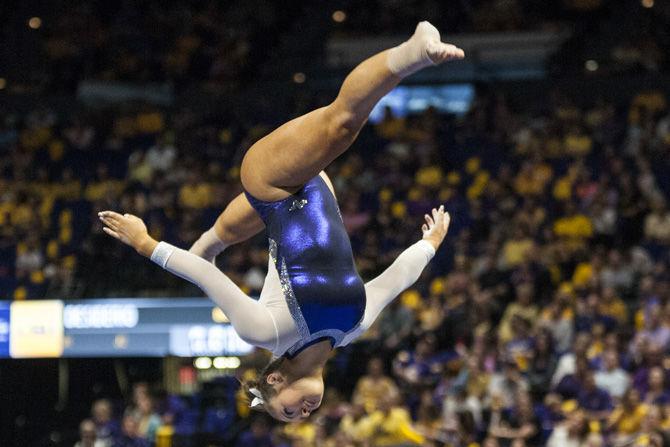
{"points": [[104, 187], [355, 423], [577, 143], [627, 417], [587, 271], [195, 194], [391, 425], [532, 179], [562, 190], [303, 432], [391, 127], [515, 250], [574, 224], [430, 314], [521, 307], [374, 386], [430, 422], [613, 306]]}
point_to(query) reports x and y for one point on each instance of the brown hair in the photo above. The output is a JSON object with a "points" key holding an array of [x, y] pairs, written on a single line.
{"points": [[261, 383]]}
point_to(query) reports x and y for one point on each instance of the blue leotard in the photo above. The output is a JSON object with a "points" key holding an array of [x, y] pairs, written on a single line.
{"points": [[312, 253]]}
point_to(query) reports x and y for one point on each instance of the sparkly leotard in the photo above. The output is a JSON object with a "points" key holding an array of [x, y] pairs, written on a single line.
{"points": [[312, 254]]}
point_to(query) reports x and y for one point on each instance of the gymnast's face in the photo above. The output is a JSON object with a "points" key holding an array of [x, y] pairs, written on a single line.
{"points": [[296, 400]]}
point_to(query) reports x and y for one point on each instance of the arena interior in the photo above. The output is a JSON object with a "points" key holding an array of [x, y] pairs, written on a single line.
{"points": [[544, 319]]}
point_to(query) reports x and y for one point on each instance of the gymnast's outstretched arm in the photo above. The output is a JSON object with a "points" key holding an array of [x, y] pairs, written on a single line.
{"points": [[404, 271], [252, 321]]}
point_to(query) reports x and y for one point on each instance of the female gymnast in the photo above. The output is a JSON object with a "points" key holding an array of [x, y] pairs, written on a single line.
{"points": [[313, 299]]}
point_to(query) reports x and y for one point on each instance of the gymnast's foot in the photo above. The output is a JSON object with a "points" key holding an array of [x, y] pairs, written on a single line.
{"points": [[422, 50]]}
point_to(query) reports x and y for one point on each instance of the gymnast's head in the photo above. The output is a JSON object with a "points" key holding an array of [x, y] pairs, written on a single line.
{"points": [[283, 394]]}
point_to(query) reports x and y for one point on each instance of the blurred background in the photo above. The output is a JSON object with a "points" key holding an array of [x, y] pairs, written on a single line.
{"points": [[543, 320]]}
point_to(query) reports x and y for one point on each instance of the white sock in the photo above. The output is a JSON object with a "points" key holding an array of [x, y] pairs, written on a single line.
{"points": [[412, 55], [208, 245]]}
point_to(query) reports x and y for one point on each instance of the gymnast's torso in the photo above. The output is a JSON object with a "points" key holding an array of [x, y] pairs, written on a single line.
{"points": [[311, 252]]}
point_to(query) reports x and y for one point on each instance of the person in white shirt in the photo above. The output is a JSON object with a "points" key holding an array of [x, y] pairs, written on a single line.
{"points": [[88, 436], [612, 378]]}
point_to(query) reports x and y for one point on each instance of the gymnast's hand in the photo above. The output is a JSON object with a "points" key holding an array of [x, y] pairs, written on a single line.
{"points": [[130, 230], [436, 227]]}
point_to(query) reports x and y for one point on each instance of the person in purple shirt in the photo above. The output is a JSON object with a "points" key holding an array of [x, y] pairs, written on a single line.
{"points": [[106, 426], [572, 385], [595, 401], [654, 330], [657, 394], [130, 436], [650, 355], [258, 434]]}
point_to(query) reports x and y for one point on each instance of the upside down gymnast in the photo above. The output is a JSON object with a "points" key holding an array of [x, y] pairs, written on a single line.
{"points": [[313, 299]]}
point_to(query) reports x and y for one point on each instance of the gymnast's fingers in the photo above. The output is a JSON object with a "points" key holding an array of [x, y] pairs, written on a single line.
{"points": [[424, 228], [112, 233], [447, 220], [429, 220], [109, 222], [112, 215]]}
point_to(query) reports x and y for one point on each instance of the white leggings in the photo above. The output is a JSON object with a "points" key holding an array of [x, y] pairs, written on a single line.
{"points": [[267, 322]]}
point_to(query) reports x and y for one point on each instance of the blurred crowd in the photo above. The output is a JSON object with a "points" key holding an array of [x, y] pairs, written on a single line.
{"points": [[543, 320], [190, 44], [177, 42]]}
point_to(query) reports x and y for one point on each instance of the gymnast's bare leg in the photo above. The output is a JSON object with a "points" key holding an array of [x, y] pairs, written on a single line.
{"points": [[280, 163]]}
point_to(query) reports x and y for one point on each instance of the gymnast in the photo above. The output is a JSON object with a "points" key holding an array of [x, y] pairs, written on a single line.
{"points": [[313, 299]]}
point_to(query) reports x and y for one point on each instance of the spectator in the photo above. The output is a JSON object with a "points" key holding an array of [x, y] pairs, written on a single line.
{"points": [[161, 156], [522, 307], [418, 367], [107, 428], [651, 431], [373, 387], [657, 223], [616, 275], [559, 318], [391, 425], [542, 364], [595, 401], [148, 420], [572, 385], [258, 434], [657, 393], [613, 306], [395, 324], [517, 425], [130, 436], [612, 378], [655, 330], [568, 361], [506, 385], [626, 419], [573, 224], [571, 433], [87, 435]]}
